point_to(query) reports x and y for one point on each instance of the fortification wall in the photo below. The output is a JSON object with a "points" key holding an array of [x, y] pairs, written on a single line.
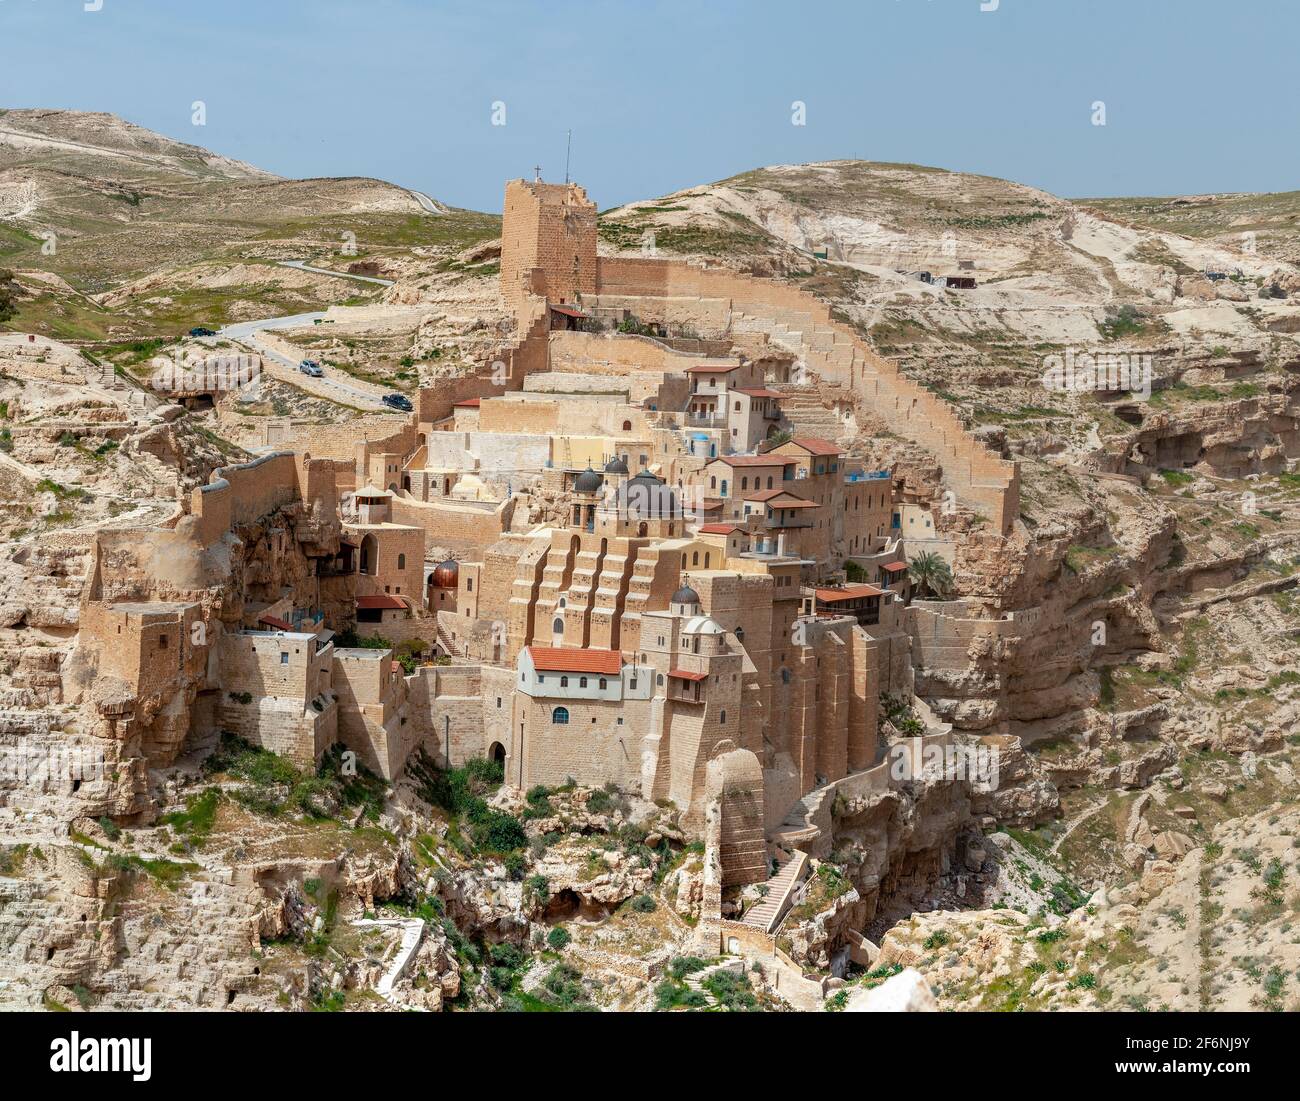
{"points": [[242, 494], [462, 527], [944, 633], [835, 352], [326, 441]]}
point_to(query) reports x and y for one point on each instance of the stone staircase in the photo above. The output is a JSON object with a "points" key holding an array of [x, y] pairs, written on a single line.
{"points": [[695, 980], [453, 649], [807, 415], [799, 828], [780, 890]]}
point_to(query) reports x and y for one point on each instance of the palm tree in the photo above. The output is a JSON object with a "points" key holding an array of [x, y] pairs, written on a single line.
{"points": [[931, 574]]}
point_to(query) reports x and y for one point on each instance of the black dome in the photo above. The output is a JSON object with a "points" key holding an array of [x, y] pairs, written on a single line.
{"points": [[686, 595], [646, 476], [588, 482], [616, 466]]}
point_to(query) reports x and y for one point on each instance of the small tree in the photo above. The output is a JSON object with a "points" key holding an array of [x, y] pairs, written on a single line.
{"points": [[931, 574], [8, 295]]}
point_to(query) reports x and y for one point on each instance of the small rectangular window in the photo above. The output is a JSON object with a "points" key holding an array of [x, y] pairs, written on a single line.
{"points": [[284, 659]]}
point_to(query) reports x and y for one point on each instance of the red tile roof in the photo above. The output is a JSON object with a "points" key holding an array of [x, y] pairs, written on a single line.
{"points": [[682, 674], [720, 529], [894, 567], [571, 659], [276, 622], [849, 592], [568, 311], [815, 446], [381, 600], [469, 402]]}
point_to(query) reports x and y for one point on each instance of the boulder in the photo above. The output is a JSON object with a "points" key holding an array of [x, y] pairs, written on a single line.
{"points": [[906, 992]]}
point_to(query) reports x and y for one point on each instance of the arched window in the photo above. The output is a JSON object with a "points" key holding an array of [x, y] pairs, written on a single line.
{"points": [[695, 558], [707, 556], [713, 483], [724, 487], [560, 716], [769, 481], [558, 625], [564, 682], [401, 561], [627, 426], [683, 559], [722, 718], [582, 682], [605, 684], [659, 679], [744, 483]]}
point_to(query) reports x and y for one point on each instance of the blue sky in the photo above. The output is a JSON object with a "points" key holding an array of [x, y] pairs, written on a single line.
{"points": [[1200, 95]]}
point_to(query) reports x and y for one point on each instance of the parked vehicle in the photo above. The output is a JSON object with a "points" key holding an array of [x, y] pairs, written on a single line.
{"points": [[397, 401], [199, 330], [311, 367]]}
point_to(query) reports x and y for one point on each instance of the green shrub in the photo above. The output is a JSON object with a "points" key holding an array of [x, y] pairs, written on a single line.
{"points": [[558, 938]]}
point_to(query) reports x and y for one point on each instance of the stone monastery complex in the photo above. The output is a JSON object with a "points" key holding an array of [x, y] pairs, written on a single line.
{"points": [[665, 574]]}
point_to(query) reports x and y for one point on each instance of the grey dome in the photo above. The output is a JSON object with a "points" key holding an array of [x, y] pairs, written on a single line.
{"points": [[616, 466], [646, 477], [686, 595], [588, 482]]}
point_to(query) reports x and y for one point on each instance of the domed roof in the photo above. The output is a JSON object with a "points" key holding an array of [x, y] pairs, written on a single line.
{"points": [[588, 482], [702, 625], [646, 476], [616, 466], [446, 574], [686, 595]]}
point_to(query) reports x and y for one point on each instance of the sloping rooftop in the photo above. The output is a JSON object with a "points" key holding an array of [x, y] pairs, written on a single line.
{"points": [[815, 446], [572, 659], [781, 498], [753, 460], [849, 592], [381, 600]]}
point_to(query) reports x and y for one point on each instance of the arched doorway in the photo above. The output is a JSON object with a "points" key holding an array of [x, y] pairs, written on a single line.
{"points": [[497, 754], [370, 555]]}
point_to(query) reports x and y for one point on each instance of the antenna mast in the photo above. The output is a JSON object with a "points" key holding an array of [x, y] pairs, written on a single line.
{"points": [[568, 145]]}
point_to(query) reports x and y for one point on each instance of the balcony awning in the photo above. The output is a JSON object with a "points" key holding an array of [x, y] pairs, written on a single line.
{"points": [[682, 674]]}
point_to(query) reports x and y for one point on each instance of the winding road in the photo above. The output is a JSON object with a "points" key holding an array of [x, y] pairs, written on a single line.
{"points": [[334, 384], [302, 265]]}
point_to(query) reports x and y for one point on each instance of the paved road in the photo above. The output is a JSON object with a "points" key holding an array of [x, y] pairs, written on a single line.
{"points": [[430, 206], [302, 265], [335, 384]]}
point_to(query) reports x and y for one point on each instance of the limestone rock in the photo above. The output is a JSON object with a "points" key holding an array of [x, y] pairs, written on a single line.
{"points": [[906, 992]]}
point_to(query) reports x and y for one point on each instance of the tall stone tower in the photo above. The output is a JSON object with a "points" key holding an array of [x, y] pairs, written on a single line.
{"points": [[548, 242]]}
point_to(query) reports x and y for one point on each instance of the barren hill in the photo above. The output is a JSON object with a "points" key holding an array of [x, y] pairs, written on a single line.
{"points": [[108, 207]]}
